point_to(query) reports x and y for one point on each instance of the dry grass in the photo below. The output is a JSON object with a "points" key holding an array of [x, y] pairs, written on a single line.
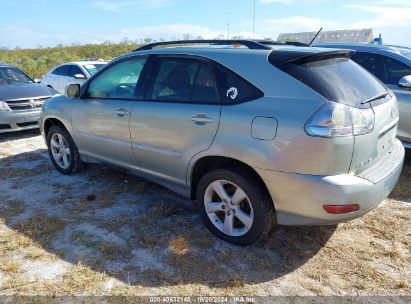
{"points": [[120, 221], [85, 238], [178, 244], [165, 250], [109, 250], [403, 187], [10, 266], [41, 228], [7, 172], [161, 222], [82, 279], [10, 208], [35, 254], [11, 241]]}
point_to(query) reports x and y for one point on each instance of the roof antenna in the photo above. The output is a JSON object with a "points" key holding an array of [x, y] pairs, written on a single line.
{"points": [[315, 36]]}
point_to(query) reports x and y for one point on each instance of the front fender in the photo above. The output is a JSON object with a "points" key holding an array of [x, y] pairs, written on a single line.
{"points": [[57, 108]]}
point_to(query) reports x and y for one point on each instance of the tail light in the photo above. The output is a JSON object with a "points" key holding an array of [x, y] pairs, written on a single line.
{"points": [[336, 120]]}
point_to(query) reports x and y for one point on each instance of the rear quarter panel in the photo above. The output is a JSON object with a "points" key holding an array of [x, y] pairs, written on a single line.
{"points": [[291, 103]]}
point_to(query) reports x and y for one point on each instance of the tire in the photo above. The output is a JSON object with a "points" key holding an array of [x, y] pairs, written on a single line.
{"points": [[250, 214], [65, 165]]}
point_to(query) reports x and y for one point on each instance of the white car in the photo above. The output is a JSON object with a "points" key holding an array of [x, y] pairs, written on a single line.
{"points": [[72, 72]]}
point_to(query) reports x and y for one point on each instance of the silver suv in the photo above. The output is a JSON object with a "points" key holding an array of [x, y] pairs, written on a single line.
{"points": [[256, 135]]}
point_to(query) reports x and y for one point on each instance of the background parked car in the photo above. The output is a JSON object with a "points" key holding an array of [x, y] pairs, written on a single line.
{"points": [[72, 72], [391, 65], [21, 99]]}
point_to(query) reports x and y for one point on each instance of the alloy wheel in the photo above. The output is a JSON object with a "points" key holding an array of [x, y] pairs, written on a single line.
{"points": [[60, 150], [228, 208]]}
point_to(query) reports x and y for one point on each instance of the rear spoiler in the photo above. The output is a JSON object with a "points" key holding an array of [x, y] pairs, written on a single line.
{"points": [[280, 57]]}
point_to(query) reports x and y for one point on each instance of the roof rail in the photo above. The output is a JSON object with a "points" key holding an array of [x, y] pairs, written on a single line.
{"points": [[254, 45], [293, 43]]}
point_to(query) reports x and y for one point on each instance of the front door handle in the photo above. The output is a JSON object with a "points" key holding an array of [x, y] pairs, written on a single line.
{"points": [[201, 118], [121, 112]]}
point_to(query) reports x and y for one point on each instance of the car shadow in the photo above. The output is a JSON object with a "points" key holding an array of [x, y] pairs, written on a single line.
{"points": [[19, 135], [136, 231]]}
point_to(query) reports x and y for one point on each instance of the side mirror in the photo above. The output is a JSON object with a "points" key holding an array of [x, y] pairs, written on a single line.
{"points": [[73, 90], [405, 82], [79, 76]]}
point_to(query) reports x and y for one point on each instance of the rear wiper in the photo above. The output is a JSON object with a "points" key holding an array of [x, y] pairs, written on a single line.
{"points": [[379, 96]]}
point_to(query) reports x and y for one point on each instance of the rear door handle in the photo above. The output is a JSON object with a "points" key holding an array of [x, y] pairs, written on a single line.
{"points": [[201, 118], [121, 112]]}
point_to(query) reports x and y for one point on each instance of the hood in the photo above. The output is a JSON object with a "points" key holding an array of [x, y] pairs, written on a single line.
{"points": [[24, 90]]}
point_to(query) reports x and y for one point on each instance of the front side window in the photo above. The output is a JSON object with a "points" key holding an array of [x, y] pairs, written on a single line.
{"points": [[75, 70], [118, 81], [373, 63], [9, 75]]}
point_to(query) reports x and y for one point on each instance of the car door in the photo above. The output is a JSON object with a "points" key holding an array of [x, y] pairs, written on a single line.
{"points": [[56, 78], [389, 71], [61, 78], [100, 119], [395, 70], [177, 118]]}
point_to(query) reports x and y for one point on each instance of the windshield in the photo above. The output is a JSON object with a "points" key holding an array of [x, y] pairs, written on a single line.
{"points": [[337, 79], [93, 68], [9, 75]]}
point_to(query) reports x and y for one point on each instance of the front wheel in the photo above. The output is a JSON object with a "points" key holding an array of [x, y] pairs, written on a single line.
{"points": [[234, 206], [62, 150]]}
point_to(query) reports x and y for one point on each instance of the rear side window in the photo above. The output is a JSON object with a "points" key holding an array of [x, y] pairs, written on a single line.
{"points": [[337, 79], [182, 80], [174, 80], [205, 90], [234, 89], [63, 70]]}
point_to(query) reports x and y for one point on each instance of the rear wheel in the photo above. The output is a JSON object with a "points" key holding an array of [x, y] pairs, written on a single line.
{"points": [[234, 206], [62, 150]]}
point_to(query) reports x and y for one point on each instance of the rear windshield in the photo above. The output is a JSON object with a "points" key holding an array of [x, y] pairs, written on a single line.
{"points": [[337, 79]]}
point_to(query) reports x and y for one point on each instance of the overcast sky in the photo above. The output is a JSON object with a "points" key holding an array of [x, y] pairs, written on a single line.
{"points": [[31, 23]]}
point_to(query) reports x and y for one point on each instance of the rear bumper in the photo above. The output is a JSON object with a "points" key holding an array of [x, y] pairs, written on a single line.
{"points": [[299, 198], [19, 120]]}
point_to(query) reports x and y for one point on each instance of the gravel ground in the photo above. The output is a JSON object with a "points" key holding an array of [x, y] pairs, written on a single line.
{"points": [[103, 232]]}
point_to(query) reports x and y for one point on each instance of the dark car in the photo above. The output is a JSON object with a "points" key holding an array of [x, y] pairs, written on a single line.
{"points": [[21, 99]]}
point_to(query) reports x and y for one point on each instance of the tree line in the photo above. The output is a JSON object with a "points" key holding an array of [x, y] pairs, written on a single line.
{"points": [[38, 61]]}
